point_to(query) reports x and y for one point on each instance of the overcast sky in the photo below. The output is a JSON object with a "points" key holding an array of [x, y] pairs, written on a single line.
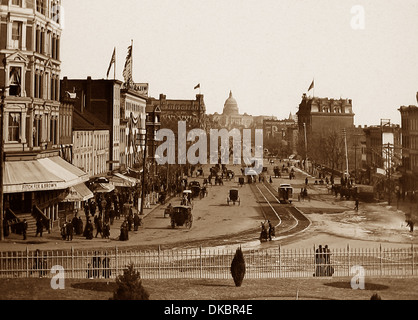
{"points": [[266, 51]]}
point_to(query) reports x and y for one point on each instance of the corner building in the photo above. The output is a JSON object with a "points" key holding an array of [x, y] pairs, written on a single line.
{"points": [[35, 176]]}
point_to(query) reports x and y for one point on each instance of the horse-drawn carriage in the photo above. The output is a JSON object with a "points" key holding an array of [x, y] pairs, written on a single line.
{"points": [[277, 173], [233, 197], [181, 216], [196, 192]]}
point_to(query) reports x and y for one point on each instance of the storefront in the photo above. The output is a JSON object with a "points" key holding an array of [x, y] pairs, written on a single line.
{"points": [[35, 187]]}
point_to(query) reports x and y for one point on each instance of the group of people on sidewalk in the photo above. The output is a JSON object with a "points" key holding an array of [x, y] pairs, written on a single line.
{"points": [[323, 267]]}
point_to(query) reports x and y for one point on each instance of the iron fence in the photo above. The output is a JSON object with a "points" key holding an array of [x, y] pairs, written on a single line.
{"points": [[211, 264]]}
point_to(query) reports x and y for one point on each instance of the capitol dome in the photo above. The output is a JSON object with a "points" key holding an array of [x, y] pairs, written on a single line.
{"points": [[231, 106]]}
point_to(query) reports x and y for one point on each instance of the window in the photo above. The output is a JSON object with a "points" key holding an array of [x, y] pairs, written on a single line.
{"points": [[15, 81], [17, 3], [14, 126], [16, 35], [40, 6], [53, 131], [37, 128]]}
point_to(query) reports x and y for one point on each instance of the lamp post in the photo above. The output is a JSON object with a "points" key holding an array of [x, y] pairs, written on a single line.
{"points": [[2, 162], [143, 135]]}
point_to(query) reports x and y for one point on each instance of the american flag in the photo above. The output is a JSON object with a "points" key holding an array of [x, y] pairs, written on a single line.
{"points": [[112, 61], [127, 72]]}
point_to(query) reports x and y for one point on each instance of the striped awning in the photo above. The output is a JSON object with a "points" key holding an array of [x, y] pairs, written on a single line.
{"points": [[41, 175]]}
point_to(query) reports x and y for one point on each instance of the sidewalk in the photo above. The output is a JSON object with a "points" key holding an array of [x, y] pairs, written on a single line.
{"points": [[52, 240]]}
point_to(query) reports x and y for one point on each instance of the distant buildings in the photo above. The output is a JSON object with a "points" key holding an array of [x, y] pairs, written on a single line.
{"points": [[175, 110], [409, 123], [232, 119]]}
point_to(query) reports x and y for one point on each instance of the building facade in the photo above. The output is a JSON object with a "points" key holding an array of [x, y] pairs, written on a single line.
{"points": [[36, 179], [102, 98], [133, 121], [409, 129], [173, 111]]}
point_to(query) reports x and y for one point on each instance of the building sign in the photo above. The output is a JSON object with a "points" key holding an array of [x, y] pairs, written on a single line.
{"points": [[39, 187]]}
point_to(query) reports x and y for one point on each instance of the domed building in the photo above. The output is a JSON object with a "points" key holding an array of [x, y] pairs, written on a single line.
{"points": [[231, 106], [231, 118]]}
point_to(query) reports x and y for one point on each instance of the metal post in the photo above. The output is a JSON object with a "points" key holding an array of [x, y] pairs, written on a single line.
{"points": [[2, 163], [143, 172]]}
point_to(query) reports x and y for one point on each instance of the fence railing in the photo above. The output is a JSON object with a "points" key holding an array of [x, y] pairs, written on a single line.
{"points": [[211, 264]]}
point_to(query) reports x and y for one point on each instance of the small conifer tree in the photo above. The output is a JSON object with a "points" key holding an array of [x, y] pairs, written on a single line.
{"points": [[238, 267], [129, 286]]}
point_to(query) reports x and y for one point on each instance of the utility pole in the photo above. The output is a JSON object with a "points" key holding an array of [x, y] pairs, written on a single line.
{"points": [[346, 151], [2, 163], [306, 147], [143, 172]]}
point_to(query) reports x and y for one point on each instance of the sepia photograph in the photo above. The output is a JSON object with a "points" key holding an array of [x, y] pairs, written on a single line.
{"points": [[210, 157]]}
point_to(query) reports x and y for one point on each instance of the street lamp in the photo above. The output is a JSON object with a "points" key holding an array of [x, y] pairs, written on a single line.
{"points": [[143, 144]]}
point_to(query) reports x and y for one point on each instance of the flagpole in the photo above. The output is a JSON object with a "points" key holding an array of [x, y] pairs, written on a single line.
{"points": [[114, 67], [132, 60]]}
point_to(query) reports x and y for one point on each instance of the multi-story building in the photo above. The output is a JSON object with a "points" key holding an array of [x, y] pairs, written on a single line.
{"points": [[409, 129], [132, 123], [320, 115], [36, 177], [173, 111], [91, 144], [281, 136], [102, 98]]}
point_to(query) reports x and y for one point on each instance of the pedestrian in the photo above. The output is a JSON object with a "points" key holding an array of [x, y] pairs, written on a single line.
{"points": [[39, 227], [88, 231], [130, 221], [137, 221], [24, 228], [96, 261], [64, 230], [306, 181], [106, 231], [271, 231], [69, 231], [99, 226], [79, 227], [356, 204], [106, 267]]}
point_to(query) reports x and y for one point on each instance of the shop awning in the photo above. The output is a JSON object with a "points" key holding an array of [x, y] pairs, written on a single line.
{"points": [[41, 175], [79, 192], [120, 180], [103, 187]]}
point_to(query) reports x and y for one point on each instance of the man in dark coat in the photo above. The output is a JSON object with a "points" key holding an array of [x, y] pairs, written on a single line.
{"points": [[89, 230], [137, 222], [99, 226], [70, 231], [24, 228], [39, 228]]}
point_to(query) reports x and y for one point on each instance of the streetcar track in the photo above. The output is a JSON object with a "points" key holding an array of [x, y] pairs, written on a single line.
{"points": [[302, 223]]}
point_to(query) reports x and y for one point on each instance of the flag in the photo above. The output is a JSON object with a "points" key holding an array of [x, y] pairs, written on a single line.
{"points": [[197, 87], [127, 72], [112, 61], [312, 85]]}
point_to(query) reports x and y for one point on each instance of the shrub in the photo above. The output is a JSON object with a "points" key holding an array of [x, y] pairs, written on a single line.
{"points": [[238, 267], [129, 286], [375, 296]]}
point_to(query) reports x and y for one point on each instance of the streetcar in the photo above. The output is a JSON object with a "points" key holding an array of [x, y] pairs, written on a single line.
{"points": [[285, 193]]}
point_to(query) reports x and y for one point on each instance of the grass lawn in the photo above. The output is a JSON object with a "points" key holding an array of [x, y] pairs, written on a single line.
{"points": [[200, 289]]}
